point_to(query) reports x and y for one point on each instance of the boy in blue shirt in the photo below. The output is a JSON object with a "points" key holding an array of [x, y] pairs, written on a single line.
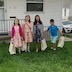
{"points": [[53, 33]]}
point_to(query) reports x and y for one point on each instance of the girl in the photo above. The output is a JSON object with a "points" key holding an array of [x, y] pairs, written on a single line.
{"points": [[37, 31], [27, 27], [17, 35]]}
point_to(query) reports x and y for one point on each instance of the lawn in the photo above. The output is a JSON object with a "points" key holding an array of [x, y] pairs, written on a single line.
{"points": [[47, 61]]}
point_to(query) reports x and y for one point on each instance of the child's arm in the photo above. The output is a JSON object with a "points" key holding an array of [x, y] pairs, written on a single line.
{"points": [[12, 35], [23, 30], [46, 30], [29, 24]]}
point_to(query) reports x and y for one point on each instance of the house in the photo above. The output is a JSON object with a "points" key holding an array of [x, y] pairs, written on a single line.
{"points": [[47, 9], [67, 9]]}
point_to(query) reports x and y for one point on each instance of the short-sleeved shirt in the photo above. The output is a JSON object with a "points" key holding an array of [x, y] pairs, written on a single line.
{"points": [[53, 30]]}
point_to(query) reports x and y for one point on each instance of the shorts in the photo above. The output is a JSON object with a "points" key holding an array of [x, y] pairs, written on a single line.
{"points": [[54, 39]]}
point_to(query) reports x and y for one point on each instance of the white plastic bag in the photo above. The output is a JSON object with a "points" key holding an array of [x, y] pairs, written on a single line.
{"points": [[24, 46], [43, 45], [61, 41], [12, 49]]}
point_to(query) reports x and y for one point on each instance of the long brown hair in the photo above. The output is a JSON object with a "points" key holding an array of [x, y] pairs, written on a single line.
{"points": [[18, 21], [35, 22], [29, 18]]}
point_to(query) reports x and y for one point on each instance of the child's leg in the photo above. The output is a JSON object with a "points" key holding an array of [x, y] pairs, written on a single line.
{"points": [[54, 39], [19, 49], [28, 47], [51, 45], [36, 46], [54, 46]]}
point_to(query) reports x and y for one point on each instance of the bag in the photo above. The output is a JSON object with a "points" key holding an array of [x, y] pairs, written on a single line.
{"points": [[61, 41], [43, 45], [24, 46], [12, 49]]}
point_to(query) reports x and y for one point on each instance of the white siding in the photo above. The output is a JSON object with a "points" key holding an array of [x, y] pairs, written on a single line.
{"points": [[52, 9]]}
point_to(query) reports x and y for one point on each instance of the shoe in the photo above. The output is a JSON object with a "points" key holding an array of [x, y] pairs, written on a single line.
{"points": [[52, 48]]}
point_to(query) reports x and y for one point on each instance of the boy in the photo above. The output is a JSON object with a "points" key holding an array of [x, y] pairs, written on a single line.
{"points": [[53, 34]]}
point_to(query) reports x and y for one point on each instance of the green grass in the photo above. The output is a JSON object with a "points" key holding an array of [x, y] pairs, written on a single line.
{"points": [[47, 61]]}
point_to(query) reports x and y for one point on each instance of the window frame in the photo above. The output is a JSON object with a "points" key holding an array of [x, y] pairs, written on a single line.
{"points": [[34, 11]]}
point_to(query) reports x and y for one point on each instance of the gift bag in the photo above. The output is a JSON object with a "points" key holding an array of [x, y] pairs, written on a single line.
{"points": [[43, 45], [12, 49], [24, 46], [61, 41]]}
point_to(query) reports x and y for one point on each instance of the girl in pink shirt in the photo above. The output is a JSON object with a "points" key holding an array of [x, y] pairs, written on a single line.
{"points": [[27, 31], [17, 35]]}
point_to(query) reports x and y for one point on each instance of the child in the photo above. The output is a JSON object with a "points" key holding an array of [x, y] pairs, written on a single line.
{"points": [[17, 35], [53, 33], [27, 30], [38, 31]]}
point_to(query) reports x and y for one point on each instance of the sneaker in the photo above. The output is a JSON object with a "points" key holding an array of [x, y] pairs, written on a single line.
{"points": [[52, 48]]}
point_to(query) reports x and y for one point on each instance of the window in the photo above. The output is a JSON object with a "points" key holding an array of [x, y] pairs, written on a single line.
{"points": [[34, 6], [1, 3]]}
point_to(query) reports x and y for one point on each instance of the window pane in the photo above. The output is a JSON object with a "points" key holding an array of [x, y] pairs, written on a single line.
{"points": [[1, 3], [36, 0], [34, 6]]}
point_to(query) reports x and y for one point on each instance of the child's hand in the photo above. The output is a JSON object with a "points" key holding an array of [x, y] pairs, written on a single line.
{"points": [[61, 33], [27, 22], [45, 30]]}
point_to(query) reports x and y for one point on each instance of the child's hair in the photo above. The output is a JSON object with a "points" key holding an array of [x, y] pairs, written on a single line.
{"points": [[29, 18], [18, 22], [51, 20], [35, 22]]}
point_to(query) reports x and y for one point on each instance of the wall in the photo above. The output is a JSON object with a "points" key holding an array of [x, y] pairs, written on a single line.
{"points": [[52, 9]]}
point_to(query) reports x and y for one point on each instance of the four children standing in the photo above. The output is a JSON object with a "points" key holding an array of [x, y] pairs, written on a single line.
{"points": [[32, 32]]}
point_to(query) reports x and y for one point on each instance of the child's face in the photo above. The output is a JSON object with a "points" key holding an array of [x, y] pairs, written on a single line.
{"points": [[37, 18], [52, 23], [16, 22], [27, 18]]}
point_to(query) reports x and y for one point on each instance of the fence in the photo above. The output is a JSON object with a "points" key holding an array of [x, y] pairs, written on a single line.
{"points": [[5, 25]]}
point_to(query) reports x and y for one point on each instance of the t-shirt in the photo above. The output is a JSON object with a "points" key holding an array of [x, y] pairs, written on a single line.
{"points": [[53, 30]]}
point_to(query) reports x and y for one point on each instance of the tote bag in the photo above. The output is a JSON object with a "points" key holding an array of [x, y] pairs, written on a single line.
{"points": [[61, 41], [24, 46], [12, 49], [43, 45]]}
